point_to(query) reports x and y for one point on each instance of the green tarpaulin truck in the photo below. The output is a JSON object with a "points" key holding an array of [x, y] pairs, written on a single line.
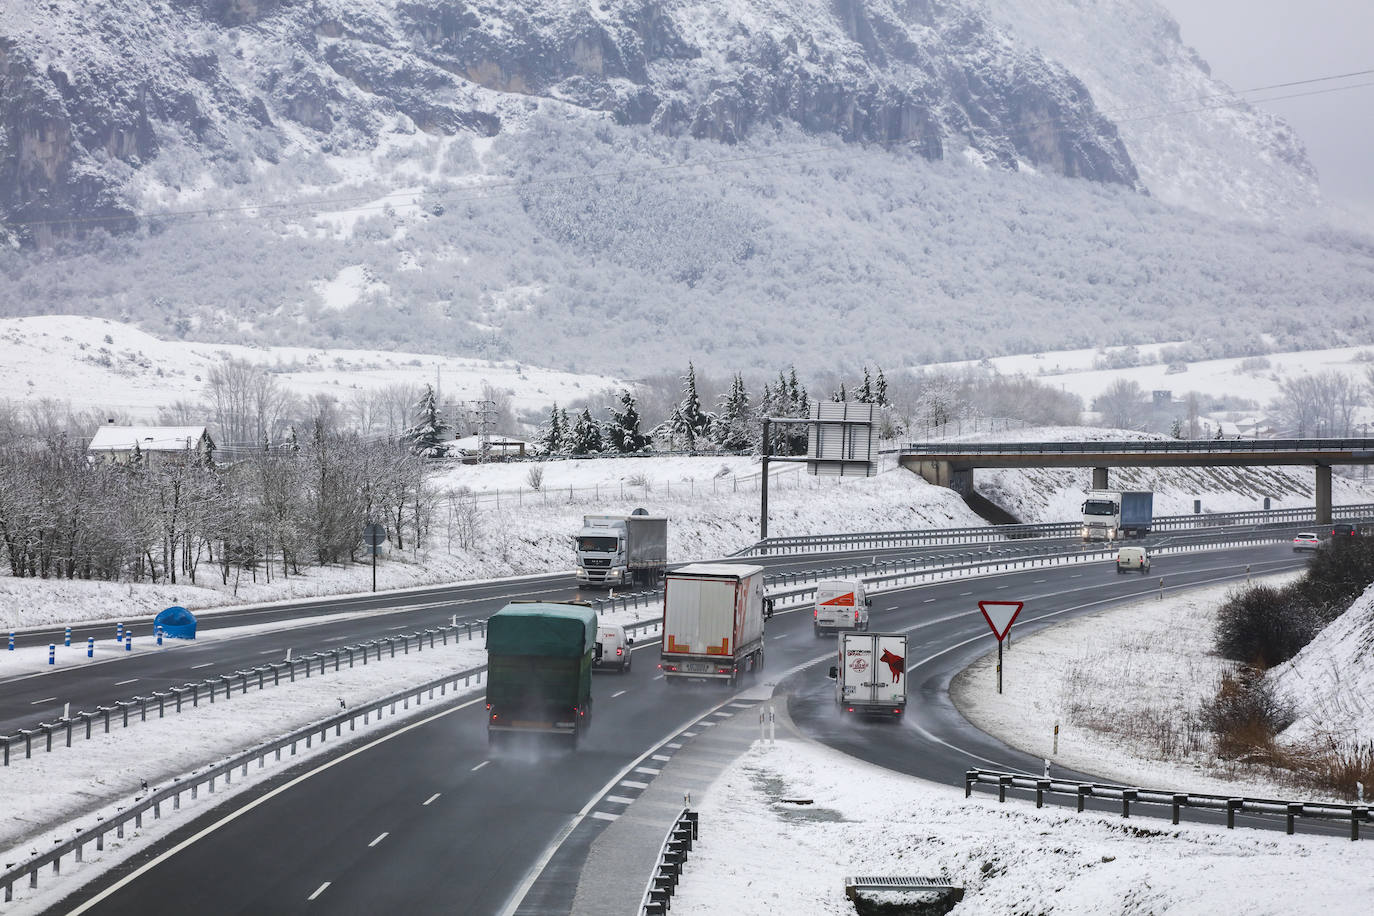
{"points": [[539, 669]]}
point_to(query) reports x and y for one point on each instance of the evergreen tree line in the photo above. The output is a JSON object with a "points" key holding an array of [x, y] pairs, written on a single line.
{"points": [[173, 517]]}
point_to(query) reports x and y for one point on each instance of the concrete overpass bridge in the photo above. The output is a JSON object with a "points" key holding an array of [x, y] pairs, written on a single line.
{"points": [[952, 465]]}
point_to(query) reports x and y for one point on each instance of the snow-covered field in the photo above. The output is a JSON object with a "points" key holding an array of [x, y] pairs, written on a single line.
{"points": [[1331, 681], [137, 373], [1072, 370], [1012, 859]]}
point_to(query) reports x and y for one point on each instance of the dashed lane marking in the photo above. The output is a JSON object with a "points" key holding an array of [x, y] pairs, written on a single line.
{"points": [[675, 745], [122, 683], [648, 771], [663, 757], [206, 665], [430, 800], [48, 700], [319, 890], [480, 765], [616, 694], [620, 800], [689, 734], [631, 784], [926, 601], [381, 836], [605, 816]]}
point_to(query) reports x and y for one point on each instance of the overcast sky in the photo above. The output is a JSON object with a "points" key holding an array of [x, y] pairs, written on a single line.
{"points": [[1258, 42]]}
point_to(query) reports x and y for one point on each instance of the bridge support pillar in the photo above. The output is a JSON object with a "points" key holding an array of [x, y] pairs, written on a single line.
{"points": [[1323, 494], [938, 473], [1100, 479]]}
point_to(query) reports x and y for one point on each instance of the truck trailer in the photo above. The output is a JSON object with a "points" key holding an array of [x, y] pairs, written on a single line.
{"points": [[616, 550], [539, 669], [1110, 515], [870, 678], [713, 616]]}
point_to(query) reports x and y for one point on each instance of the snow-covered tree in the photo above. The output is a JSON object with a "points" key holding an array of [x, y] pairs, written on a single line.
{"points": [[623, 430], [733, 430], [689, 425], [866, 389], [427, 437], [586, 435], [554, 435], [880, 390]]}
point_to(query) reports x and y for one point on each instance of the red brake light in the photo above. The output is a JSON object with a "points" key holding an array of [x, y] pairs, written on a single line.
{"points": [[619, 651]]}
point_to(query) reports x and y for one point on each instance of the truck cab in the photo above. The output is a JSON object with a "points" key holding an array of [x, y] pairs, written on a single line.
{"points": [[616, 550], [1102, 515]]}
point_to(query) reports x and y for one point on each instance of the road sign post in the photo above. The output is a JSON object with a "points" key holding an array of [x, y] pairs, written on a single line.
{"points": [[1000, 615], [374, 536]]}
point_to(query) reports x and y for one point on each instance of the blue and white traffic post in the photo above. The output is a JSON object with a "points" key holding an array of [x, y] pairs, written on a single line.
{"points": [[159, 634], [67, 640], [90, 647], [11, 642], [119, 632], [52, 653], [129, 640]]}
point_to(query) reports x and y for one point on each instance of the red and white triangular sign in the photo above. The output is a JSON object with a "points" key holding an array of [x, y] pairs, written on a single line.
{"points": [[1000, 615]]}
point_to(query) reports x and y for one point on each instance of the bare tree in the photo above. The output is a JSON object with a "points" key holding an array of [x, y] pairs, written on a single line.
{"points": [[1123, 405]]}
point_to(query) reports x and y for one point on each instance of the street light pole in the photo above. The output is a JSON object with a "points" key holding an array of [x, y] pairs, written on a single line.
{"points": [[763, 483]]}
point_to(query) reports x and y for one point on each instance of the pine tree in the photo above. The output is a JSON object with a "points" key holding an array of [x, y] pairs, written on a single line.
{"points": [[623, 430], [880, 390], [688, 424], [553, 435], [799, 406], [586, 435], [426, 437], [839, 397], [293, 442], [866, 390], [732, 431]]}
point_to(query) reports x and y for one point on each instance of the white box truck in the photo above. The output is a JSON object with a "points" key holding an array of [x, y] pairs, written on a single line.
{"points": [[870, 678], [841, 604], [713, 617], [617, 550]]}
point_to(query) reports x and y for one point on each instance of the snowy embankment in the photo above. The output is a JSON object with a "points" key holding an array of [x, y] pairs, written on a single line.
{"points": [[1331, 682], [713, 505], [1056, 494], [1125, 686], [1011, 858]]}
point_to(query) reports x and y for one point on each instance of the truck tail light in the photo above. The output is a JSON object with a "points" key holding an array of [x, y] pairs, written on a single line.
{"points": [[896, 712], [851, 709], [722, 671], [488, 706], [619, 651], [856, 617], [580, 712], [815, 613]]}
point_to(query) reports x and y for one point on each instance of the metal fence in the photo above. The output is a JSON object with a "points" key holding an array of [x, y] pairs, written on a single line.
{"points": [[155, 798], [174, 699], [930, 537], [672, 858], [1232, 805], [1362, 449], [643, 490]]}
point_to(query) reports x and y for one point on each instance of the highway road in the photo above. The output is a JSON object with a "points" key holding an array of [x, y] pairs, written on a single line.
{"points": [[426, 820], [302, 626]]}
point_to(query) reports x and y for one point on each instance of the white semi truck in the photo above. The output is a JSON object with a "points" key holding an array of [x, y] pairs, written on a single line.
{"points": [[713, 617], [870, 678], [1110, 515], [617, 550]]}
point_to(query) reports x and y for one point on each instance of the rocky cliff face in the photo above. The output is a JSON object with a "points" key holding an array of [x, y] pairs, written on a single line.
{"points": [[94, 92]]}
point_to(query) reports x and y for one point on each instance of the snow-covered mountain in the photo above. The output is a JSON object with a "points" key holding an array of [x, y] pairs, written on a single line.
{"points": [[621, 181]]}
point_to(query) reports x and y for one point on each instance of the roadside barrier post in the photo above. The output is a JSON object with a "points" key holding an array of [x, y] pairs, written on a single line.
{"points": [[119, 632], [159, 634], [11, 642], [52, 654], [128, 642], [67, 639], [90, 647]]}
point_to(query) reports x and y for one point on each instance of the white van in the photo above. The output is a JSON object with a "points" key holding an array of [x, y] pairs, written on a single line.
{"points": [[1129, 558], [613, 647], [841, 604]]}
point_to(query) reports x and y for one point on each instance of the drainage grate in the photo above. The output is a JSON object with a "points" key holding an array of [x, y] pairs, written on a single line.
{"points": [[898, 883]]}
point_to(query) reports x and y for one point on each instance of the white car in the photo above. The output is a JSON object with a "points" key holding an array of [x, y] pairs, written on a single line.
{"points": [[1306, 540]]}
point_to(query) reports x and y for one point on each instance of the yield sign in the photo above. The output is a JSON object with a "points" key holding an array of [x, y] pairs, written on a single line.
{"points": [[1000, 615]]}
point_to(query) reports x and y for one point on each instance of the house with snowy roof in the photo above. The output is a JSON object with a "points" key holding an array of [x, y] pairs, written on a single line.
{"points": [[153, 444]]}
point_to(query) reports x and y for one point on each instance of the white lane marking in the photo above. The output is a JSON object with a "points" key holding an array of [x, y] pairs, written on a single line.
{"points": [[48, 700], [707, 724], [722, 714], [675, 745], [663, 757], [480, 765], [689, 734], [925, 601], [616, 694], [122, 683], [262, 800], [319, 890], [270, 652], [401, 627], [430, 800], [631, 784], [338, 638], [962, 594], [1076, 576], [620, 800], [783, 636], [206, 665], [381, 836], [893, 608], [647, 771], [1003, 586], [659, 678], [1037, 581], [605, 816], [742, 705]]}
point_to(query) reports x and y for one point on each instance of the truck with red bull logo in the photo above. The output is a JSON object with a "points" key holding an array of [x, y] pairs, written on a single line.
{"points": [[841, 604], [870, 678], [713, 616]]}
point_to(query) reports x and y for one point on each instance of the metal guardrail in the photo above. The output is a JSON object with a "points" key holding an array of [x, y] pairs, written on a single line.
{"points": [[1232, 805], [173, 699], [1148, 447], [672, 858], [190, 785], [927, 537]]}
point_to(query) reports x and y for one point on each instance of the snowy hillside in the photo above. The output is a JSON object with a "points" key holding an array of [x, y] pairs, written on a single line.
{"points": [[103, 364], [1056, 494], [1331, 681], [605, 187]]}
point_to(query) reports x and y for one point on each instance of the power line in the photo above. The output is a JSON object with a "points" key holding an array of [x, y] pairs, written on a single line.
{"points": [[509, 188]]}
